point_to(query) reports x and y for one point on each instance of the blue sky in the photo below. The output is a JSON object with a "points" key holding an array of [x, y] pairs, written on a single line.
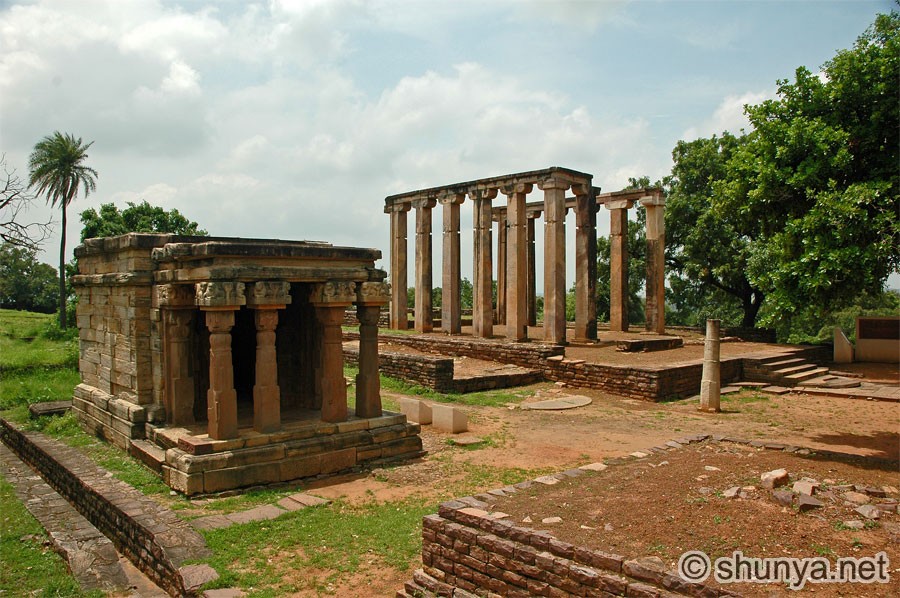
{"points": [[294, 119]]}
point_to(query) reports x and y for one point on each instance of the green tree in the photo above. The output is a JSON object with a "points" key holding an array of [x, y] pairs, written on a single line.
{"points": [[56, 168], [817, 180], [25, 283], [136, 218], [637, 270]]}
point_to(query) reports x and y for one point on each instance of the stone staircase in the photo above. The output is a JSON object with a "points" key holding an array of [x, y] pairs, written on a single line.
{"points": [[791, 370]]}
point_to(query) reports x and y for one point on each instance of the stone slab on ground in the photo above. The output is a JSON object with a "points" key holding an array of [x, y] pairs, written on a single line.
{"points": [[776, 390], [260, 513], [49, 408], [308, 499], [416, 411], [447, 418], [567, 402], [211, 522], [467, 440]]}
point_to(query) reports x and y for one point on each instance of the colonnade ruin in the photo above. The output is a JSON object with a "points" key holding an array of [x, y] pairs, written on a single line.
{"points": [[563, 190]]}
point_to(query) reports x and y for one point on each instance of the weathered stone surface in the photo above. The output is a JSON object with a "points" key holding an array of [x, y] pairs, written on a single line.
{"points": [[448, 418], [857, 498], [805, 487], [194, 576], [868, 511], [774, 479], [415, 410], [806, 502]]}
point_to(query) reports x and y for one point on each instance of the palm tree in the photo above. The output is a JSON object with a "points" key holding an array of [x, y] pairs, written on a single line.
{"points": [[56, 168]]}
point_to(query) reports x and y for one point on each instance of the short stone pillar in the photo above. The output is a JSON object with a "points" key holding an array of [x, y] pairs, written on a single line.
{"points": [[424, 322], [554, 260], [843, 349], [398, 316], [266, 298], [176, 303], [219, 301], [710, 382], [451, 310], [331, 300], [482, 308], [618, 264], [370, 297], [656, 263]]}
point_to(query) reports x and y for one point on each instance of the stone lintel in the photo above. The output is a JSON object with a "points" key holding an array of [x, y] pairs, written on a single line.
{"points": [[333, 293], [229, 295], [272, 294], [373, 293]]}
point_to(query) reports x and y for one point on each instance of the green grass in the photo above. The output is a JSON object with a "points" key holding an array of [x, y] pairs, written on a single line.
{"points": [[29, 340], [333, 538], [29, 567]]}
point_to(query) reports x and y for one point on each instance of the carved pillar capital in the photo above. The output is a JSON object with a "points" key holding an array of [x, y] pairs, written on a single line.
{"points": [[220, 294], [552, 183], [516, 188], [424, 202], [373, 293], [333, 293], [479, 193], [273, 294], [653, 200], [619, 204], [174, 295], [451, 198], [400, 206]]}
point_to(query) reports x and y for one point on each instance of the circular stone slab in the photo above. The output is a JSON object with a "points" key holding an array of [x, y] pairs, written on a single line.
{"points": [[570, 402]]}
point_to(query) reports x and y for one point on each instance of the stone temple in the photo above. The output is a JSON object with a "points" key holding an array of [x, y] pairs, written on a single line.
{"points": [[219, 363]]}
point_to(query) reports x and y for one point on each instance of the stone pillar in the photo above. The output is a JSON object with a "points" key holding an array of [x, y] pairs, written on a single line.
{"points": [[451, 311], [501, 267], [176, 303], [585, 262], [424, 322], [710, 382], [656, 267], [331, 300], [482, 312], [516, 262], [554, 260], [370, 297], [266, 298], [618, 264], [399, 318], [532, 279], [220, 300]]}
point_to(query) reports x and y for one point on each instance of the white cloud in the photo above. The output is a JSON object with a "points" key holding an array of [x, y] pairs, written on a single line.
{"points": [[728, 116]]}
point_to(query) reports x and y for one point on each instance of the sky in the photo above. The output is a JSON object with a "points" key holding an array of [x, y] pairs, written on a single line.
{"points": [[294, 119]]}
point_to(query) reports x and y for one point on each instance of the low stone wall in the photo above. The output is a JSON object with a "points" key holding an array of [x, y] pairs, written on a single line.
{"points": [[152, 538]]}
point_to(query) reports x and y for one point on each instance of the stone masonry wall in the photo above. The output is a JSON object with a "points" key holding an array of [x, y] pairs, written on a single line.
{"points": [[431, 372], [152, 538]]}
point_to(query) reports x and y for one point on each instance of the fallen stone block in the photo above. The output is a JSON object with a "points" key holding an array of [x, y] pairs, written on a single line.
{"points": [[774, 479], [449, 419], [416, 411]]}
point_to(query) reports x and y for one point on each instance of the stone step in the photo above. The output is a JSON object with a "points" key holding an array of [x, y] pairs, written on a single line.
{"points": [[796, 369], [148, 453], [830, 382], [801, 376], [780, 361]]}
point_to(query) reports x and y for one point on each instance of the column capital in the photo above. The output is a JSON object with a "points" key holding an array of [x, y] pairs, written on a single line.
{"points": [[451, 198], [478, 193], [272, 294], [619, 204], [552, 183], [579, 189], [373, 293], [424, 202], [515, 188], [174, 295], [400, 206], [220, 294], [333, 293], [653, 200]]}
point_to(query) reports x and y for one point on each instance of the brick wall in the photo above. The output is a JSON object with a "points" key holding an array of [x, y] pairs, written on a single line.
{"points": [[139, 528]]}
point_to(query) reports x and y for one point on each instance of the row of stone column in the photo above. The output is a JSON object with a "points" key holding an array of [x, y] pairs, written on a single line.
{"points": [[220, 301], [516, 270]]}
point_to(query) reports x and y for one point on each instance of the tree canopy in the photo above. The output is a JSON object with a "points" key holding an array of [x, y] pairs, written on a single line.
{"points": [[136, 218], [25, 283]]}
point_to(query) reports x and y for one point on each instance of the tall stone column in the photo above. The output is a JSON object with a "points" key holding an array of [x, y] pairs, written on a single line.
{"points": [[656, 258], [554, 260], [532, 279], [266, 298], [501, 267], [451, 311], [618, 264], [424, 322], [220, 300], [331, 300], [585, 262], [176, 303], [516, 262], [482, 312], [370, 297], [399, 318]]}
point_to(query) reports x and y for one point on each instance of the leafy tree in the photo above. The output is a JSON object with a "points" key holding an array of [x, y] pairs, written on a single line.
{"points": [[637, 270], [25, 283], [56, 168], [817, 180], [466, 294], [136, 218], [15, 200]]}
